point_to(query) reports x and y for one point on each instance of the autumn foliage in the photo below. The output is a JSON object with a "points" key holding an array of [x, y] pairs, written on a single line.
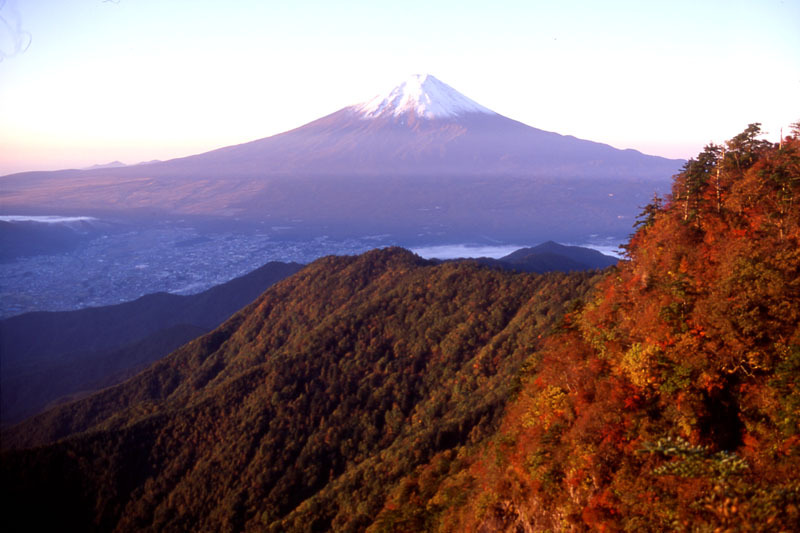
{"points": [[670, 400]]}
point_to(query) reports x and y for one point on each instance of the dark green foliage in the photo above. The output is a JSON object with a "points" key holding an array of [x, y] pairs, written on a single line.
{"points": [[649, 212], [303, 411]]}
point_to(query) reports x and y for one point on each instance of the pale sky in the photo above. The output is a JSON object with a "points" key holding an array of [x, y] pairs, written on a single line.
{"points": [[92, 81]]}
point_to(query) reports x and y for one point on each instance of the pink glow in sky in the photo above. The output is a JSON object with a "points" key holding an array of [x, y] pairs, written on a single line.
{"points": [[87, 81]]}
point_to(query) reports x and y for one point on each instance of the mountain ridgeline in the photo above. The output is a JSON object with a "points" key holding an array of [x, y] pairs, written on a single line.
{"points": [[54, 356], [552, 257], [387, 393]]}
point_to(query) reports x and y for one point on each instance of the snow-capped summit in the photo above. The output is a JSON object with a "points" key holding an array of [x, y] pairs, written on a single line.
{"points": [[424, 96]]}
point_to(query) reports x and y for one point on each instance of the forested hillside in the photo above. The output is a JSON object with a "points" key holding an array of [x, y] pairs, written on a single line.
{"points": [[670, 400], [301, 412]]}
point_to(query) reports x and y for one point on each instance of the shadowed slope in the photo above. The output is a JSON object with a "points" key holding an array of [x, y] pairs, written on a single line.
{"points": [[46, 355]]}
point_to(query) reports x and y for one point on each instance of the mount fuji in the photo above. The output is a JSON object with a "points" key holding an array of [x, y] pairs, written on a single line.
{"points": [[422, 126], [420, 151]]}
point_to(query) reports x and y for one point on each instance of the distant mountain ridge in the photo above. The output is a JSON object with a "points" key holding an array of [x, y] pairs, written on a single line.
{"points": [[552, 257], [112, 164], [582, 257]]}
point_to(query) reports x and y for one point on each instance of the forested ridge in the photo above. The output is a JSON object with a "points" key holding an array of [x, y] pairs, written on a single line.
{"points": [[299, 413], [387, 393]]}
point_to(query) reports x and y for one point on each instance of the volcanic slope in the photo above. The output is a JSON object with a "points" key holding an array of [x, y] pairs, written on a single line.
{"points": [[301, 411], [422, 127], [420, 155]]}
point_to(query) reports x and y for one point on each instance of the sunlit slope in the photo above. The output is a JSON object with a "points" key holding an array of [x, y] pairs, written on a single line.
{"points": [[670, 401]]}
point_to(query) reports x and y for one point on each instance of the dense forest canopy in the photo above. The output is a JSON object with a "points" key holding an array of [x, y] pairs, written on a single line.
{"points": [[302, 411], [386, 393], [669, 400]]}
